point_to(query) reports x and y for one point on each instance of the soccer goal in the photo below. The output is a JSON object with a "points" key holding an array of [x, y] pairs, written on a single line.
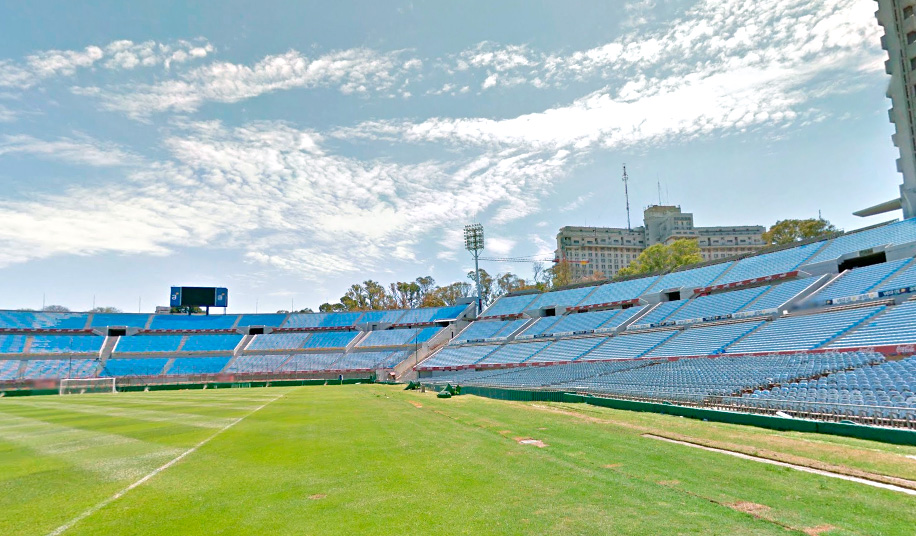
{"points": [[79, 386]]}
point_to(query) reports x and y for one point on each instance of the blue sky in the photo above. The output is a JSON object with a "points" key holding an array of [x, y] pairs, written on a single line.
{"points": [[290, 150]]}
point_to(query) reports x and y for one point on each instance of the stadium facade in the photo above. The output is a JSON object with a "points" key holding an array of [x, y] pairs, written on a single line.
{"points": [[608, 249], [898, 19]]}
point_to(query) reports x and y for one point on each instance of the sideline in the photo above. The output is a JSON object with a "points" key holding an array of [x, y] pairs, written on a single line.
{"points": [[802, 468], [70, 524]]}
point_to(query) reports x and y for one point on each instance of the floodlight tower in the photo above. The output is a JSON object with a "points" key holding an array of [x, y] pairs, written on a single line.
{"points": [[473, 242]]}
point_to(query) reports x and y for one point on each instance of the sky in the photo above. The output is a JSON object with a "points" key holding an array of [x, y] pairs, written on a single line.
{"points": [[289, 150]]}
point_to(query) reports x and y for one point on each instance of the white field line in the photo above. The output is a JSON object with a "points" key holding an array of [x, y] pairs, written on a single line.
{"points": [[802, 468], [68, 525]]}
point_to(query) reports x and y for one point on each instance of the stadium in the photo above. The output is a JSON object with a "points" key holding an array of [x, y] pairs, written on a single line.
{"points": [[767, 392]]}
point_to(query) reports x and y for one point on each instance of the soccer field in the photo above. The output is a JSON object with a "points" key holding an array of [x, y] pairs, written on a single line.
{"points": [[373, 459]]}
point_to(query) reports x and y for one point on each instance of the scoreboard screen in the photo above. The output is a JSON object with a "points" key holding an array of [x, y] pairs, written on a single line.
{"points": [[199, 297]]}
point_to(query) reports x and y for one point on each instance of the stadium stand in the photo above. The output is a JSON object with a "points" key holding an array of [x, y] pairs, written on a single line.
{"points": [[197, 365], [514, 352], [901, 232], [192, 322], [885, 390], [703, 340], [389, 337], [211, 343], [859, 280], [778, 262], [561, 298], [9, 369], [257, 363], [323, 361], [42, 321], [779, 294], [65, 344], [717, 304], [12, 344], [330, 339], [59, 368], [697, 378], [619, 291], [488, 329], [566, 350], [267, 320], [661, 311], [128, 320], [691, 278], [278, 341], [578, 323], [134, 367], [458, 356], [803, 332], [381, 317], [510, 305], [896, 326], [628, 346], [431, 314], [904, 278], [148, 344]]}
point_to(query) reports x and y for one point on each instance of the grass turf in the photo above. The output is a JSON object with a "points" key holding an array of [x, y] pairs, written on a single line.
{"points": [[372, 459]]}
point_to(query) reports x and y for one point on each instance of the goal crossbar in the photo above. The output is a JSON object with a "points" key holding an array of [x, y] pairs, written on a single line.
{"points": [[75, 386]]}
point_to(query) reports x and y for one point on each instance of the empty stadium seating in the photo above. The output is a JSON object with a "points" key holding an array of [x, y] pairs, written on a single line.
{"points": [[694, 277], [703, 340], [619, 291], [389, 337], [514, 353], [147, 344], [510, 305], [566, 350], [311, 362], [459, 356], [859, 280], [628, 346], [192, 322], [886, 390], [37, 369], [197, 365], [278, 341], [901, 232], [779, 294], [9, 369], [12, 344], [36, 320], [134, 367], [802, 332], [211, 343], [659, 313], [330, 339], [489, 329], [257, 363], [774, 263], [720, 304], [896, 326]]}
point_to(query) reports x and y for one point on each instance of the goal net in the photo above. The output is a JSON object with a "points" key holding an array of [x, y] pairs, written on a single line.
{"points": [[78, 386]]}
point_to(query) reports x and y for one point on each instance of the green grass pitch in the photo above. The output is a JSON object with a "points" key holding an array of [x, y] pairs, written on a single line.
{"points": [[374, 459]]}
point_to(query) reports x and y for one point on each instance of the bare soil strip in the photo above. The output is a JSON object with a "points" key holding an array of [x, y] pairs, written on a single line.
{"points": [[802, 468]]}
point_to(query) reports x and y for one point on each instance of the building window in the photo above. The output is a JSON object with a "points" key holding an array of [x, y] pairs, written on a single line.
{"points": [[911, 38], [908, 11]]}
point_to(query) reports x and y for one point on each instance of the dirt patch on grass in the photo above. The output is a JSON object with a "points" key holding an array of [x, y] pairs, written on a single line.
{"points": [[529, 441], [504, 432], [416, 404], [754, 509], [612, 465], [818, 530], [669, 482], [317, 496]]}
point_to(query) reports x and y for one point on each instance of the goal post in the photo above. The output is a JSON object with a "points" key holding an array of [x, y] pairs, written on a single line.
{"points": [[78, 386]]}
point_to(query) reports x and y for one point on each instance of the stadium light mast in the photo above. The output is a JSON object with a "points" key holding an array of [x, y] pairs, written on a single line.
{"points": [[473, 242]]}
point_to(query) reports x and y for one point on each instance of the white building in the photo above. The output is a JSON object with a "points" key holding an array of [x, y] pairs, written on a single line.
{"points": [[899, 40], [608, 249]]}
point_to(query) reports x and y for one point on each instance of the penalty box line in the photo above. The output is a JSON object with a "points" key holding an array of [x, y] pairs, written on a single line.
{"points": [[70, 524]]}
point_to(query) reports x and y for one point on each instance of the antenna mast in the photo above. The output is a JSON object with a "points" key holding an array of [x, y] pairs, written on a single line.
{"points": [[626, 193]]}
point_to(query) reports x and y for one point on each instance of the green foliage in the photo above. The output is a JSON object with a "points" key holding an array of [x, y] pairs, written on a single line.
{"points": [[789, 231], [185, 309], [661, 257], [105, 310]]}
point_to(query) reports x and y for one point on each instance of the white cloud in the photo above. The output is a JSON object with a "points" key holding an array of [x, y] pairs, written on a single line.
{"points": [[82, 149], [117, 55], [7, 115], [275, 193], [500, 245], [354, 71]]}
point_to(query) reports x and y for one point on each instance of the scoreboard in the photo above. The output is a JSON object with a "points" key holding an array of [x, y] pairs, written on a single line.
{"points": [[199, 297]]}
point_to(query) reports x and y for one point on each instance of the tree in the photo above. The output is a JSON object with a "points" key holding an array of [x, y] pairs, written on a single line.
{"points": [[450, 294], [487, 285], [789, 231], [105, 310], [509, 282], [331, 308], [659, 257], [559, 275], [185, 309], [55, 309]]}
